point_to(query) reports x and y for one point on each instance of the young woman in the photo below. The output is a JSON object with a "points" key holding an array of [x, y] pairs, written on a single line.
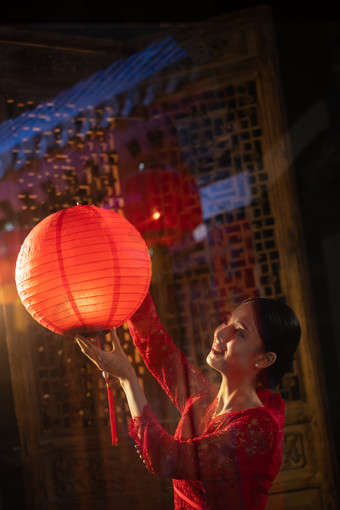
{"points": [[227, 448]]}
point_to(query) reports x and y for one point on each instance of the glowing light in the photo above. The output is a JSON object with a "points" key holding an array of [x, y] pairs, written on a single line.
{"points": [[156, 215], [9, 226], [100, 265], [226, 195]]}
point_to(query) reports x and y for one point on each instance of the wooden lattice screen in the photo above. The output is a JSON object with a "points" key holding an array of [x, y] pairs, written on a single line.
{"points": [[221, 122]]}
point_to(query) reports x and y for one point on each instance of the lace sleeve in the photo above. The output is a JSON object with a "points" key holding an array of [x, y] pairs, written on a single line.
{"points": [[165, 361], [246, 446]]}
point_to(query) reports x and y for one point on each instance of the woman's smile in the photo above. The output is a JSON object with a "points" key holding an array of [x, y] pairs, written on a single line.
{"points": [[218, 349]]}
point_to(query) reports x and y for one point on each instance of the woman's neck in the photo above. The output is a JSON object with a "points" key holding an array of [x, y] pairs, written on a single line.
{"points": [[236, 397]]}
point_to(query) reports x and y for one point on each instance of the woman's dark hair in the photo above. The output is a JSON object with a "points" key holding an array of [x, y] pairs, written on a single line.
{"points": [[280, 331]]}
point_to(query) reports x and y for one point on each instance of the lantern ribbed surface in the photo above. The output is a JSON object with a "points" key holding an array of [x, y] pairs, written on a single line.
{"points": [[83, 270]]}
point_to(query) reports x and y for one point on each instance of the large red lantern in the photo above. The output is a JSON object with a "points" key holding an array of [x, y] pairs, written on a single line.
{"points": [[83, 270], [162, 204]]}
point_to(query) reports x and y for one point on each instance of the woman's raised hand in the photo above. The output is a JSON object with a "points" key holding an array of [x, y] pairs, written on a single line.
{"points": [[114, 362]]}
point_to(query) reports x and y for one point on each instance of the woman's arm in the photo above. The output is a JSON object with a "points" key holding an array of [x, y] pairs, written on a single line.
{"points": [[179, 378], [247, 445]]}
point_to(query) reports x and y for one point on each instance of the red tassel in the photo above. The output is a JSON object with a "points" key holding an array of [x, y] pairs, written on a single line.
{"points": [[114, 434]]}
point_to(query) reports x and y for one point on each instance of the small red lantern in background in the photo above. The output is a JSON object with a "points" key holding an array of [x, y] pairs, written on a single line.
{"points": [[163, 205], [84, 270]]}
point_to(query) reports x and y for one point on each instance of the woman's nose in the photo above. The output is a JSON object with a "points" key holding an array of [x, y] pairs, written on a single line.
{"points": [[224, 332]]}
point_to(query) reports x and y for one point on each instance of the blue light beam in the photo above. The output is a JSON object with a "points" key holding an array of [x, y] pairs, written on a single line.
{"points": [[104, 85]]}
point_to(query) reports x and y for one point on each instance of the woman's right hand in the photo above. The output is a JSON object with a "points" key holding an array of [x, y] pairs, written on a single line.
{"points": [[114, 362]]}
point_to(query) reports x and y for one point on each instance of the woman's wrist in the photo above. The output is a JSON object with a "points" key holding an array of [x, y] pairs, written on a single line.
{"points": [[125, 373], [134, 395], [129, 379]]}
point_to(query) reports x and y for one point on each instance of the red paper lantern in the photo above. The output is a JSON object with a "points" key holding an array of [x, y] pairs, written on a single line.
{"points": [[163, 205], [83, 270]]}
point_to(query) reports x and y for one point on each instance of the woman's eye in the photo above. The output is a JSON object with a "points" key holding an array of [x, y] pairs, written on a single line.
{"points": [[239, 332]]}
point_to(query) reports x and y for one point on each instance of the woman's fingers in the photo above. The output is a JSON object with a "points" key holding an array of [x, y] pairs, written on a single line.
{"points": [[115, 340], [114, 363], [89, 349], [85, 344]]}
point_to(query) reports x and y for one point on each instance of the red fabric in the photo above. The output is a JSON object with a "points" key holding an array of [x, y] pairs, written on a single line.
{"points": [[223, 462]]}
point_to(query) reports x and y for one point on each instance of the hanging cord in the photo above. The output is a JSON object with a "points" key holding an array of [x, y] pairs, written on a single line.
{"points": [[106, 376]]}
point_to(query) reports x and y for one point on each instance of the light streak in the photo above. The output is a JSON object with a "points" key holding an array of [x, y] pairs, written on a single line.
{"points": [[102, 87]]}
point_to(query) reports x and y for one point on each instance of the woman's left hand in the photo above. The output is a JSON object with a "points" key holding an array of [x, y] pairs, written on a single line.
{"points": [[114, 362]]}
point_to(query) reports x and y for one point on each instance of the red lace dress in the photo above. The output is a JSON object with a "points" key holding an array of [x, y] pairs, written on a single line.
{"points": [[216, 462]]}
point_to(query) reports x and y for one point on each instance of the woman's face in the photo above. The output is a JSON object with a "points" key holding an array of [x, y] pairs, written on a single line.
{"points": [[237, 343]]}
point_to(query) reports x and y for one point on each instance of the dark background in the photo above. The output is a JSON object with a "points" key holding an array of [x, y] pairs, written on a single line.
{"points": [[308, 46]]}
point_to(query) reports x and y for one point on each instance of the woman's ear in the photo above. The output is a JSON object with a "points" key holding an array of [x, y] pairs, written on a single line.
{"points": [[267, 359]]}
